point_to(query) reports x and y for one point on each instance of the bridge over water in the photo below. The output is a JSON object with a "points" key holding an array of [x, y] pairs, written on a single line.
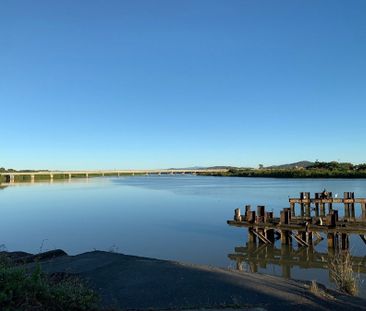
{"points": [[10, 177]]}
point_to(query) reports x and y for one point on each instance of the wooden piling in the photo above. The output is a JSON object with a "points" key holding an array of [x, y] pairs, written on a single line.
{"points": [[251, 236], [251, 218], [330, 220], [247, 212], [260, 213], [285, 219], [317, 205], [302, 205], [363, 211], [292, 208], [330, 205], [268, 217], [309, 238], [269, 234], [237, 215], [307, 204], [351, 195], [346, 206]]}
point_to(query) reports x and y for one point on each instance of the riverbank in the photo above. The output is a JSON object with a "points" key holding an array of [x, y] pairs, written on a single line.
{"points": [[125, 282], [289, 173]]}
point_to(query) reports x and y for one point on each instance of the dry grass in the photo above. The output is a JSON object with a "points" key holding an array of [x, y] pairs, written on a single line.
{"points": [[319, 290], [342, 273]]}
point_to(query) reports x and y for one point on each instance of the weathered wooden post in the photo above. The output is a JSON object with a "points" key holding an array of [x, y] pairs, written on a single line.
{"points": [[330, 204], [330, 220], [316, 205], [292, 208], [237, 216], [269, 233], [247, 212], [309, 238], [351, 195], [302, 212], [346, 206], [260, 219], [302, 236], [307, 204], [288, 214], [251, 218], [268, 217], [322, 205], [285, 220], [260, 212], [363, 210], [252, 239]]}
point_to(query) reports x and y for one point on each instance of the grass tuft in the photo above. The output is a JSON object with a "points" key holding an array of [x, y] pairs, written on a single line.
{"points": [[22, 290], [342, 273]]}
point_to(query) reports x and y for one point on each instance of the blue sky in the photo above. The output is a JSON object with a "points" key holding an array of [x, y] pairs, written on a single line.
{"points": [[151, 84]]}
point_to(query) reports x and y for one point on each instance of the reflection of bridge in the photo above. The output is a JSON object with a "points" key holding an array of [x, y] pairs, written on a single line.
{"points": [[10, 177], [287, 257]]}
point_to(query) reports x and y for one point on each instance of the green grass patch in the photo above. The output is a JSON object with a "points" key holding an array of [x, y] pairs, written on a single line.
{"points": [[23, 291]]}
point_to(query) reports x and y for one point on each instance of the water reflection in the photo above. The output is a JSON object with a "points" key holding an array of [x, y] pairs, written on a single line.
{"points": [[295, 262]]}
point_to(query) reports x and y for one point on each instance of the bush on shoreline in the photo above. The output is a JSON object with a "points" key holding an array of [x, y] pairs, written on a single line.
{"points": [[318, 170], [23, 290]]}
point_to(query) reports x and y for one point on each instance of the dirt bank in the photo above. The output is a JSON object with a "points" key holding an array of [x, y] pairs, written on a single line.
{"points": [[137, 283]]}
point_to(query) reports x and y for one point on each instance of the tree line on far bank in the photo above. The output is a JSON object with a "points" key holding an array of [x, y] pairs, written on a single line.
{"points": [[316, 170]]}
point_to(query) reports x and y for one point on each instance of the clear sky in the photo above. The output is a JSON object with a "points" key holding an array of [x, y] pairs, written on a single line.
{"points": [[152, 84]]}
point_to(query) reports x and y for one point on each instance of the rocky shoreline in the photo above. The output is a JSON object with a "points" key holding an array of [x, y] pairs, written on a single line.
{"points": [[126, 282]]}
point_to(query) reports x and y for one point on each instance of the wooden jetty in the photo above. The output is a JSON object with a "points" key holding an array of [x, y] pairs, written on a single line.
{"points": [[306, 218]]}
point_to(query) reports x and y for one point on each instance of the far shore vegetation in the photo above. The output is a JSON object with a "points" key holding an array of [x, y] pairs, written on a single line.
{"points": [[302, 169], [314, 170]]}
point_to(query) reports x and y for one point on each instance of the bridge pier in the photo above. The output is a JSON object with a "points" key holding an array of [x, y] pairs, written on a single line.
{"points": [[51, 177], [11, 179], [32, 178]]}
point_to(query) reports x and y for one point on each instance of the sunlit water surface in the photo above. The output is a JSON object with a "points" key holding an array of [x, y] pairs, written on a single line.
{"points": [[181, 217]]}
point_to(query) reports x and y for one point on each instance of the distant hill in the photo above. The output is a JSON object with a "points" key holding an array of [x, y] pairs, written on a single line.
{"points": [[300, 164]]}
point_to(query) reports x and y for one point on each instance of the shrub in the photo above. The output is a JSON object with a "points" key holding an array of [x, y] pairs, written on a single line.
{"points": [[22, 290]]}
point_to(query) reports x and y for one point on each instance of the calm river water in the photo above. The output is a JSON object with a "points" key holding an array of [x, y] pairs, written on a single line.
{"points": [[179, 217]]}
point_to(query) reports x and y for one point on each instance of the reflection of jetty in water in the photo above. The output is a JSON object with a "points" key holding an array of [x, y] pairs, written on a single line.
{"points": [[307, 226], [260, 255]]}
